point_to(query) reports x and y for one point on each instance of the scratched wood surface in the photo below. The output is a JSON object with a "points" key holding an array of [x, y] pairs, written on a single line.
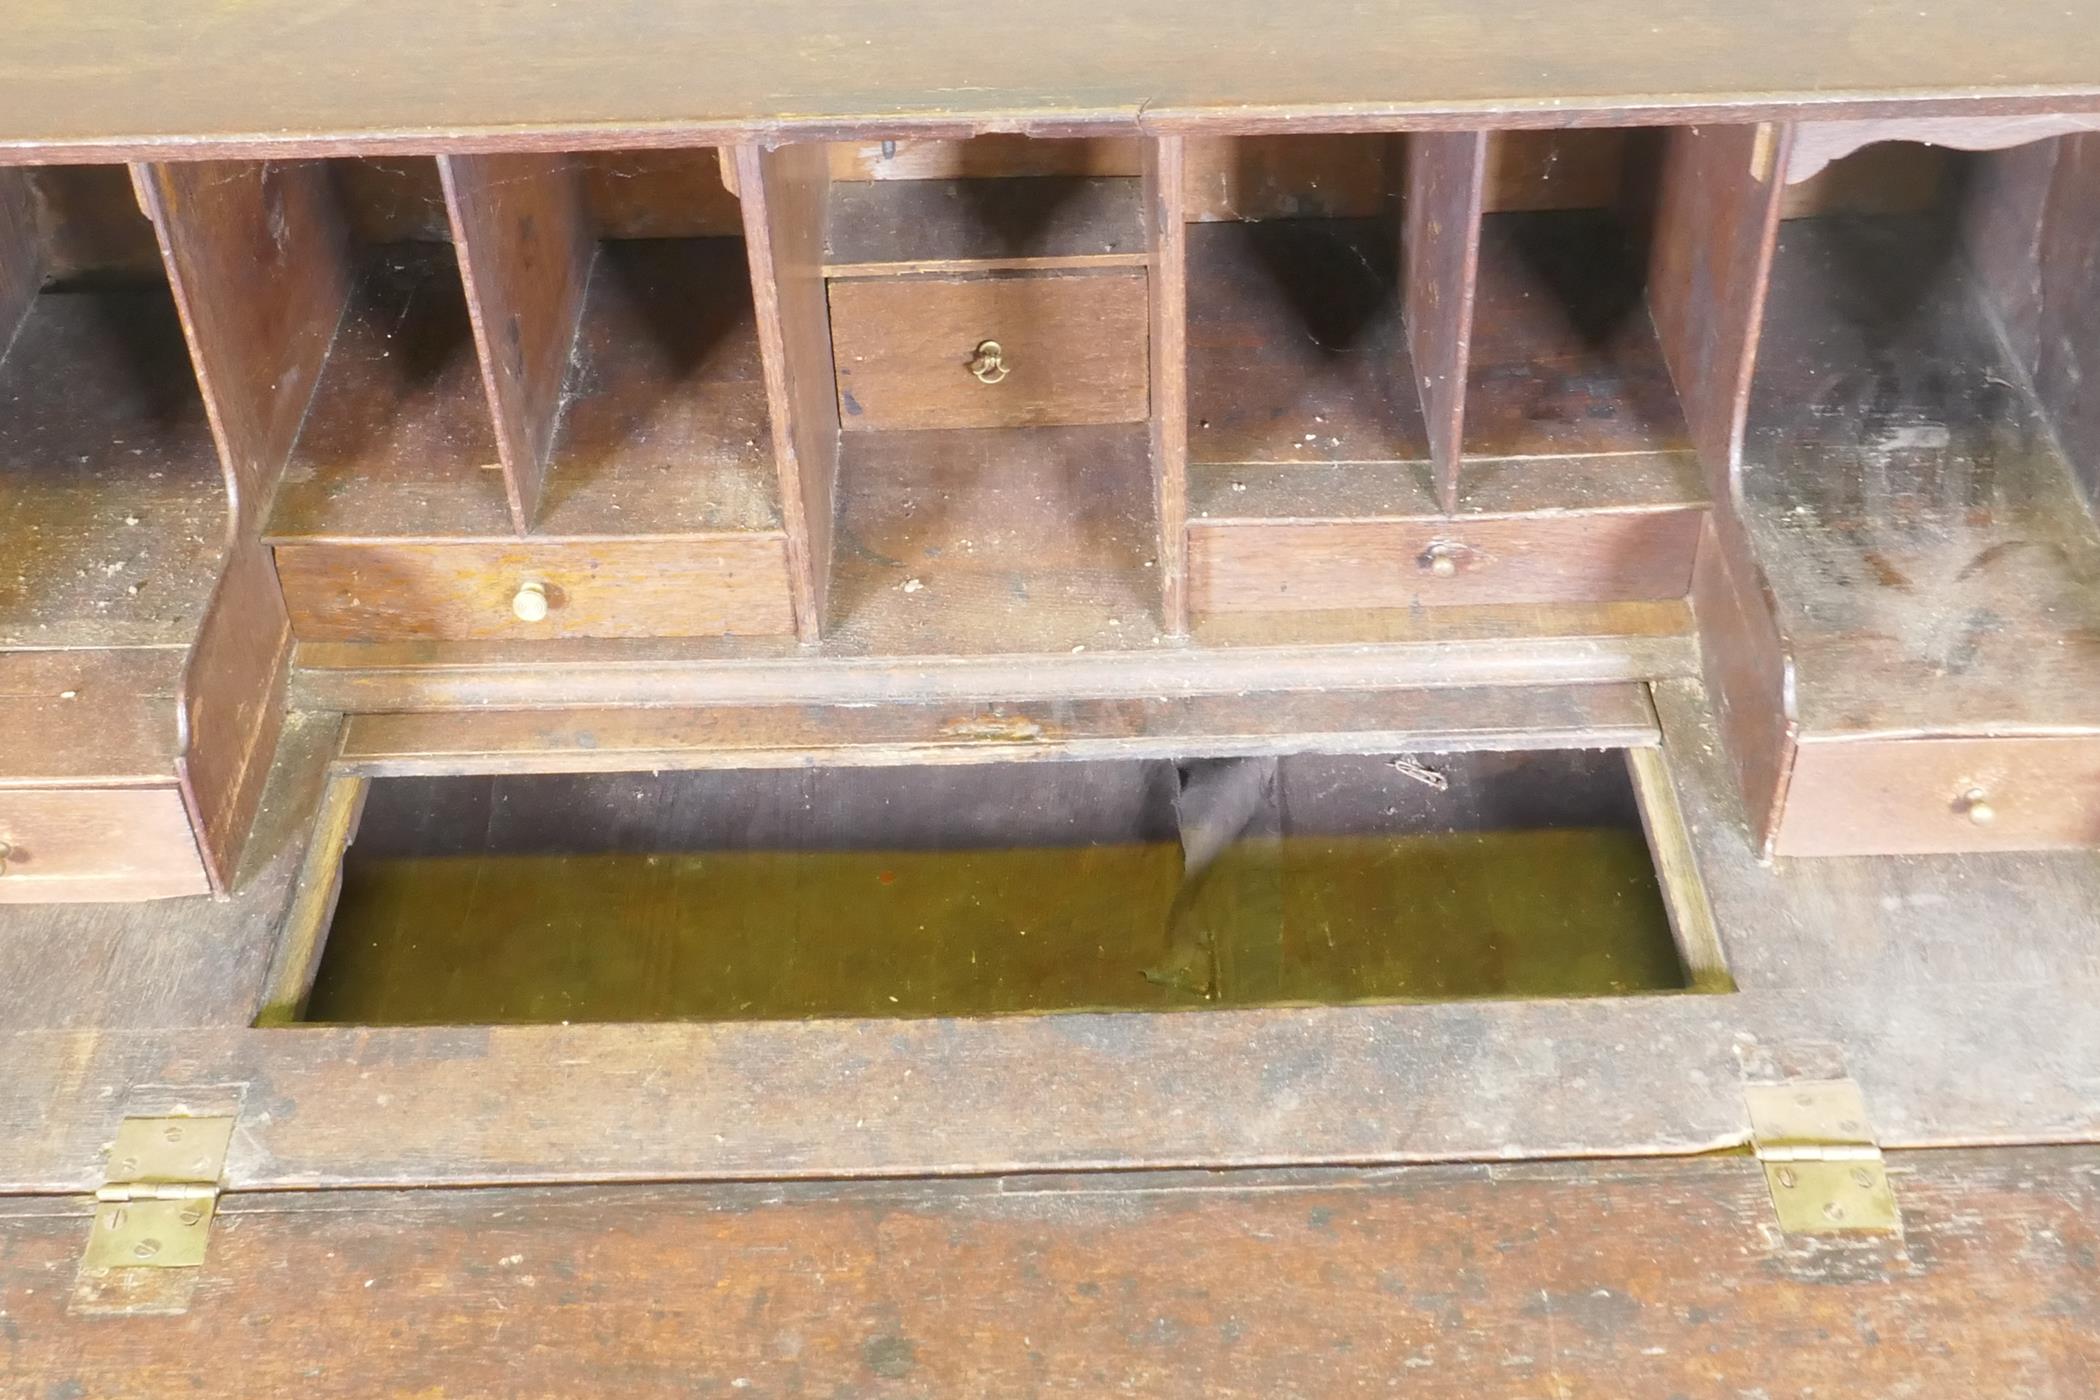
{"points": [[637, 73], [1569, 1280]]}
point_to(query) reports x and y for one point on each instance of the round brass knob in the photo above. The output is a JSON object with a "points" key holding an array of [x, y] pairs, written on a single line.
{"points": [[530, 603], [989, 363], [6, 853], [1976, 802], [1441, 560]]}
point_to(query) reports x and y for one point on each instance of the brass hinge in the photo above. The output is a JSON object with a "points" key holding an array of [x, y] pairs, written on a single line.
{"points": [[155, 1210], [1821, 1162]]}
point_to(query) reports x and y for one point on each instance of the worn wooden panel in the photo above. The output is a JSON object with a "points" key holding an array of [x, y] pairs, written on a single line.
{"points": [[1074, 345], [1440, 249], [72, 844], [1708, 266], [748, 736], [785, 195], [1323, 491], [1897, 796], [259, 261], [980, 157], [233, 706], [2005, 1061], [1598, 557], [1748, 671], [21, 261], [98, 714], [659, 194], [1555, 169], [629, 71], [607, 588], [881, 227], [525, 249], [1540, 644], [1305, 176], [1575, 1280], [2068, 357], [1166, 216]]}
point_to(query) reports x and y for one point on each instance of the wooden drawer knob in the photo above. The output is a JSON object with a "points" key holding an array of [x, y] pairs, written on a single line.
{"points": [[989, 363], [530, 604], [1977, 803]]}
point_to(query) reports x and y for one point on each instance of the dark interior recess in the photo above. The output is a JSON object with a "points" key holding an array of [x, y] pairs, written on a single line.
{"points": [[111, 498], [992, 889]]}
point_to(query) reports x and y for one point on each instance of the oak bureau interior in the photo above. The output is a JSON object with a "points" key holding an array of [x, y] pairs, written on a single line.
{"points": [[1750, 453]]}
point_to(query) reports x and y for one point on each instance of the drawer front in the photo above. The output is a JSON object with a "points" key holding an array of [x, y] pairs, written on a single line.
{"points": [[71, 844], [1918, 796], [1073, 348], [1258, 566], [720, 586]]}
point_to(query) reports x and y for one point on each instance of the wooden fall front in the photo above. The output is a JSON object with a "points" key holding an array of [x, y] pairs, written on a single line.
{"points": [[659, 392]]}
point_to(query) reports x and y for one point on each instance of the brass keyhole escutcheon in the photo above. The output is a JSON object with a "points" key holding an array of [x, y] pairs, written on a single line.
{"points": [[989, 363]]}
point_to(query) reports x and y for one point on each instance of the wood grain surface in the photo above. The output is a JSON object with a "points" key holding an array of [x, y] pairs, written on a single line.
{"points": [[1074, 345], [631, 73], [1573, 1280]]}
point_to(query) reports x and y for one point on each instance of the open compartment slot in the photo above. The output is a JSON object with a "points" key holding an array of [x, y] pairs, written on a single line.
{"points": [[544, 414], [113, 508], [991, 889], [397, 442], [1454, 396], [1915, 447], [1919, 430], [968, 343]]}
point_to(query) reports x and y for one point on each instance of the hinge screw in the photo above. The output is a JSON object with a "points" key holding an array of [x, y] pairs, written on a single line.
{"points": [[1787, 1178]]}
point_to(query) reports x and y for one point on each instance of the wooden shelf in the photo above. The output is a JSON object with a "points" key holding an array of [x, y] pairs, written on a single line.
{"points": [[883, 227]]}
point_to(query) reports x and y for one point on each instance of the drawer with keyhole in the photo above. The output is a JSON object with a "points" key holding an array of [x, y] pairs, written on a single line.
{"points": [[991, 351]]}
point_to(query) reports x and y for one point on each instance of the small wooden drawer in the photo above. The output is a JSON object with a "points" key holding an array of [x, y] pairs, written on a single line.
{"points": [[1262, 565], [916, 352], [92, 844], [1918, 796], [716, 586]]}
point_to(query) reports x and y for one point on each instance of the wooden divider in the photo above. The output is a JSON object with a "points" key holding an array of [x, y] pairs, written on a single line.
{"points": [[1710, 263], [1167, 216], [1440, 251], [257, 257], [525, 248], [19, 259], [785, 192]]}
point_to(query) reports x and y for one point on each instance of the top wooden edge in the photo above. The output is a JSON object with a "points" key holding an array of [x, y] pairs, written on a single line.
{"points": [[140, 79]]}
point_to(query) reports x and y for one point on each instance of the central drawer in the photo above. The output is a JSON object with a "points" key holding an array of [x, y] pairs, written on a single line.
{"points": [[354, 592], [992, 351]]}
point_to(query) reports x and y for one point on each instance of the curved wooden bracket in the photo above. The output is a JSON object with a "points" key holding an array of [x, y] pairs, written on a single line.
{"points": [[1817, 144]]}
